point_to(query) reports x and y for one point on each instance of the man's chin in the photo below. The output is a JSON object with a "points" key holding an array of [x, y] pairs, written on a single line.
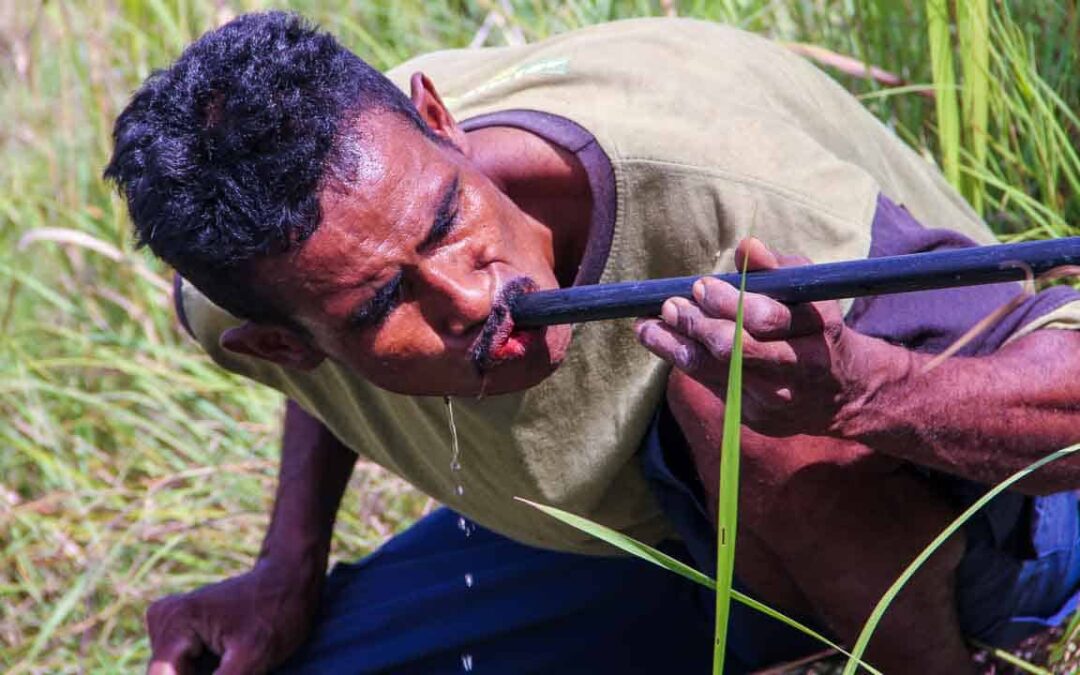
{"points": [[529, 371], [510, 379], [516, 374]]}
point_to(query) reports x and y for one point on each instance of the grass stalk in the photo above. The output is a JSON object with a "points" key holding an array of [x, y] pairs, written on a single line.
{"points": [[944, 77], [973, 29], [727, 516]]}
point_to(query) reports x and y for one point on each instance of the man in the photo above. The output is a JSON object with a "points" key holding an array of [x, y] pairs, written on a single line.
{"points": [[357, 249]]}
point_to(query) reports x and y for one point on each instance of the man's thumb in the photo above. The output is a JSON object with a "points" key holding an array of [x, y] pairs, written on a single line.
{"points": [[754, 255], [174, 658]]}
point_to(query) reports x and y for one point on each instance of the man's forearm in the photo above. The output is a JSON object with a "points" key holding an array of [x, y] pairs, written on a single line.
{"points": [[315, 468], [982, 418]]}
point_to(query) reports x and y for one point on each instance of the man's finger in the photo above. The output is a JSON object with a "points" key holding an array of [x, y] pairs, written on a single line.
{"points": [[793, 260], [751, 255], [239, 660], [718, 336], [680, 351], [174, 657], [687, 319], [161, 668], [763, 318]]}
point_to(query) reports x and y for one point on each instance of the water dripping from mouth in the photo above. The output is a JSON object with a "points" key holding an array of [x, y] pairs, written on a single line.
{"points": [[459, 489], [455, 449], [483, 386]]}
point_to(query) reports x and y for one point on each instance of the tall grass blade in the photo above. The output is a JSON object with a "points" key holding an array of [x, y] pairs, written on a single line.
{"points": [[623, 542], [661, 559], [883, 605], [973, 29], [727, 516], [941, 62], [1012, 659]]}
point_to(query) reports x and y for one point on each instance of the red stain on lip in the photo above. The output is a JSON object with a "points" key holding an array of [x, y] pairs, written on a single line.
{"points": [[514, 345]]}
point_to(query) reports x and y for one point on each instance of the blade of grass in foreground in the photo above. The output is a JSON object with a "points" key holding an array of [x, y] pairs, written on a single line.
{"points": [[661, 559], [875, 617], [727, 516], [1012, 659]]}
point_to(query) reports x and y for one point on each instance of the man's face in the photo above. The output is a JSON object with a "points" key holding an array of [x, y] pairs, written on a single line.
{"points": [[408, 277]]}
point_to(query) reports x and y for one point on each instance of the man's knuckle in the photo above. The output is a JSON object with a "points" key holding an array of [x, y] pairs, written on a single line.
{"points": [[720, 298], [688, 322], [162, 609], [688, 358], [773, 317], [832, 330], [719, 344]]}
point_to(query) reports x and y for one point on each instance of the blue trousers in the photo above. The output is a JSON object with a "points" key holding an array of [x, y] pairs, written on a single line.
{"points": [[433, 600]]}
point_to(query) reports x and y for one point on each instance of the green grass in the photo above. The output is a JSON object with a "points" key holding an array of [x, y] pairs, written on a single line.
{"points": [[130, 467], [727, 511]]}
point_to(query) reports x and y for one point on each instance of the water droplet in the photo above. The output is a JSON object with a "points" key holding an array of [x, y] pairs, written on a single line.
{"points": [[465, 526], [455, 449], [466, 662], [468, 580]]}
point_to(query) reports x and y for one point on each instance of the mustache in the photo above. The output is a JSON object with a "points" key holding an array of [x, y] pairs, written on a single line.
{"points": [[499, 323]]}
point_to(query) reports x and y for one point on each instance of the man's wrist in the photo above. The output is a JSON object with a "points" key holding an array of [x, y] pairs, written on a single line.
{"points": [[301, 551], [878, 373]]}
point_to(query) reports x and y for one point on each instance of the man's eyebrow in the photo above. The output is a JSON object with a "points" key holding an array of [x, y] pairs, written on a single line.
{"points": [[445, 213]]}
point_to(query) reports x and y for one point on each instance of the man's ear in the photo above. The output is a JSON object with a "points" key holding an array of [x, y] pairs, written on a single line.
{"points": [[272, 343], [434, 113]]}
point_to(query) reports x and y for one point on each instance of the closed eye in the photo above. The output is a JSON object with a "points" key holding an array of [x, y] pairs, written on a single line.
{"points": [[372, 312], [445, 216]]}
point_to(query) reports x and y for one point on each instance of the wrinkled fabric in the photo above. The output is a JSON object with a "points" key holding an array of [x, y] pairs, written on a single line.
{"points": [[409, 608]]}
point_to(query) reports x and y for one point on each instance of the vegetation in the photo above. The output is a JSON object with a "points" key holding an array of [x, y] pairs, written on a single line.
{"points": [[131, 467]]}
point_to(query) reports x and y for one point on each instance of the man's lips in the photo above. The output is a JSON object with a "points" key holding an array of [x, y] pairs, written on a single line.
{"points": [[498, 341], [513, 346]]}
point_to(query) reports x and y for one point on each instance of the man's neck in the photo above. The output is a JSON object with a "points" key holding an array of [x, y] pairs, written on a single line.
{"points": [[545, 181]]}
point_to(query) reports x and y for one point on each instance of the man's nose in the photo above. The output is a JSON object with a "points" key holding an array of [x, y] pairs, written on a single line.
{"points": [[454, 297]]}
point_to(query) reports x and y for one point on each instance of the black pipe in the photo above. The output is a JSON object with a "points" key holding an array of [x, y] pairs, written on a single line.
{"points": [[809, 283]]}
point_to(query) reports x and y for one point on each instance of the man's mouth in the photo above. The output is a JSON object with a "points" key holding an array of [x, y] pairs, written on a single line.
{"points": [[498, 341]]}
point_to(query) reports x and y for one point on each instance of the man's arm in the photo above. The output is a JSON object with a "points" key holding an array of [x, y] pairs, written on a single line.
{"points": [[805, 372], [315, 468], [982, 418], [254, 621]]}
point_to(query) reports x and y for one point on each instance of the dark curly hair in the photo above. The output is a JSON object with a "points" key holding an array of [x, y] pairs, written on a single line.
{"points": [[221, 156]]}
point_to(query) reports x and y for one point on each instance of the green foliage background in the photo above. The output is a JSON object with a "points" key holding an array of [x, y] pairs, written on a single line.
{"points": [[130, 467]]}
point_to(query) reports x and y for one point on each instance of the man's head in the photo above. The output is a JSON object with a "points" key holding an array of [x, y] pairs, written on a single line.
{"points": [[300, 190]]}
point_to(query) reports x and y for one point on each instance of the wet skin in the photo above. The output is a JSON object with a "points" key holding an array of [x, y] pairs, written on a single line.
{"points": [[420, 248]]}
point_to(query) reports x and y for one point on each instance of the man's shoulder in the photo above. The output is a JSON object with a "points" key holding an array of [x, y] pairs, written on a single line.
{"points": [[637, 59], [608, 40]]}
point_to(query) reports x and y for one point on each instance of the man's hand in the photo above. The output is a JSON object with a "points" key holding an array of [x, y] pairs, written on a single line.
{"points": [[253, 622], [801, 365]]}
